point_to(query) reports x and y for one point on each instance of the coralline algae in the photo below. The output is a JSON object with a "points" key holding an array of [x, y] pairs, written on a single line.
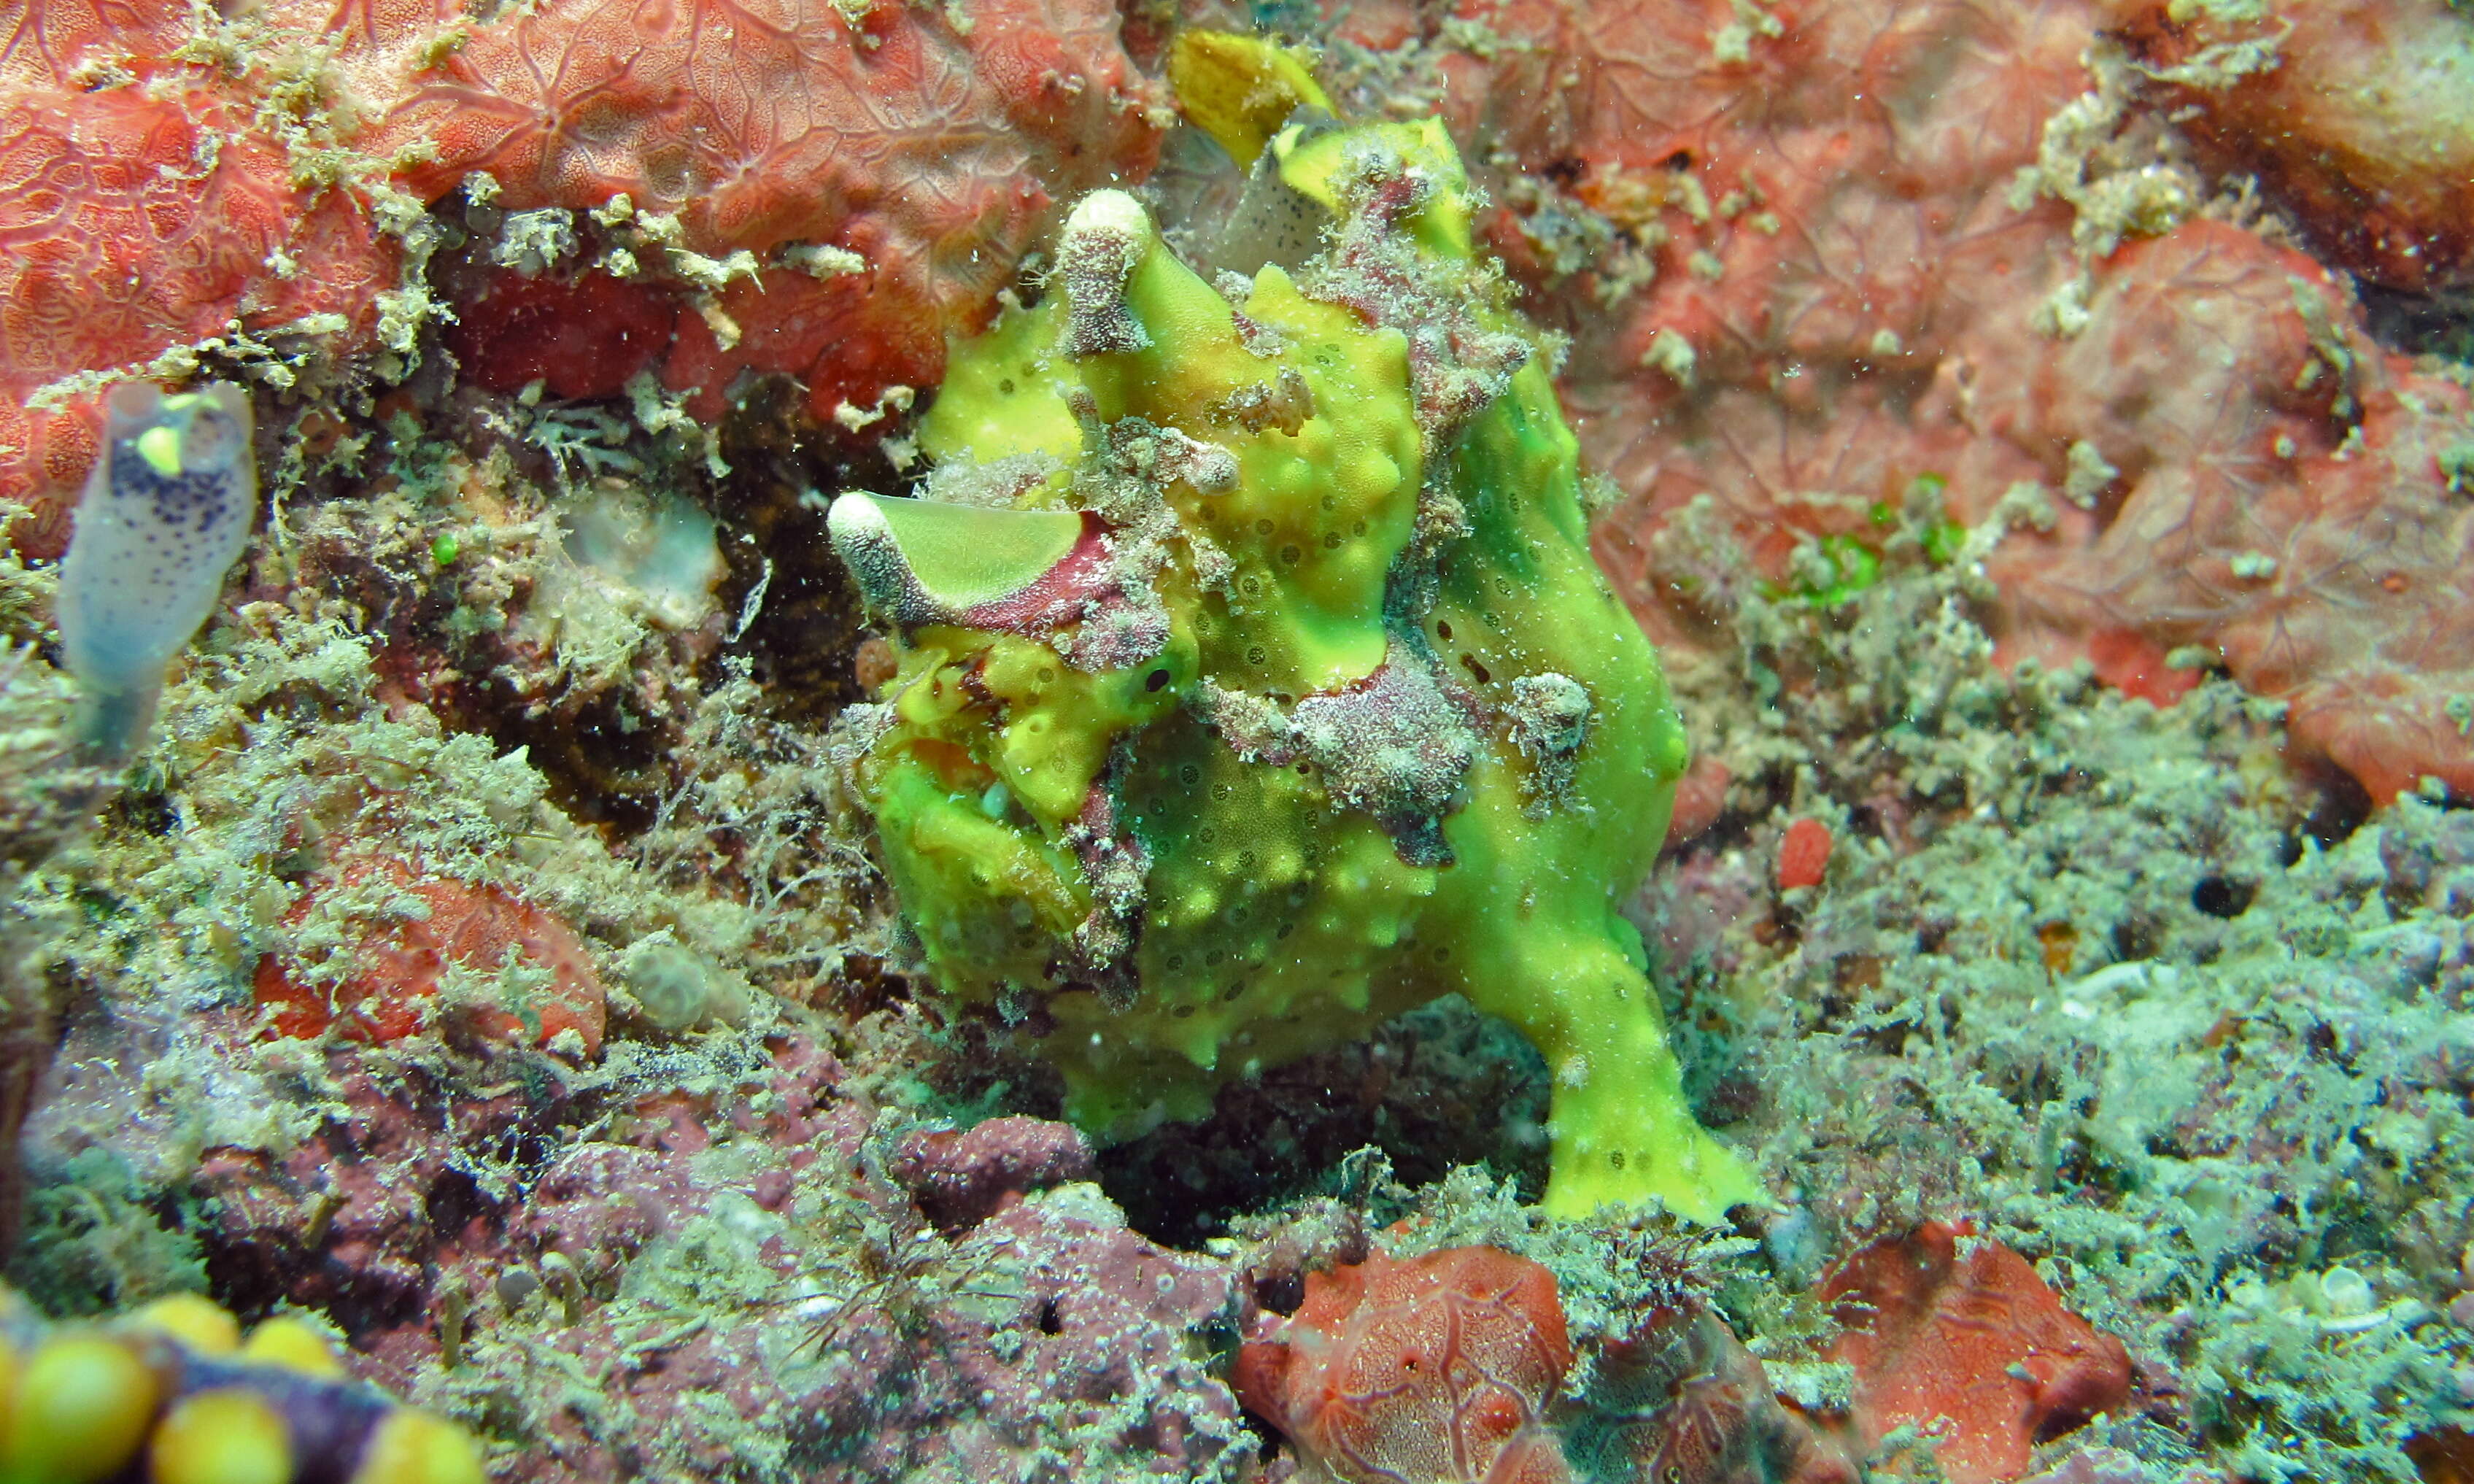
{"points": [[529, 694]]}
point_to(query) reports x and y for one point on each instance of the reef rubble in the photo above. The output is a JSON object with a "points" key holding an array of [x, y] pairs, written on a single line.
{"points": [[599, 971]]}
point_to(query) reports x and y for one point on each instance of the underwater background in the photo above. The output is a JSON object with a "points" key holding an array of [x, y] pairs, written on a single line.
{"points": [[1501, 741]]}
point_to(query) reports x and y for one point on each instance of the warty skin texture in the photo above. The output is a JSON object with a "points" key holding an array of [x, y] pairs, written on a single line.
{"points": [[1256, 682]]}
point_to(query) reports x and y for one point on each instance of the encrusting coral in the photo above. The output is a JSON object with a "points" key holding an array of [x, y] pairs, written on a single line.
{"points": [[884, 167], [827, 189], [1955, 1336], [485, 956], [2358, 117], [1814, 256], [1439, 1367], [381, 987], [1256, 683], [1549, 1353], [140, 218]]}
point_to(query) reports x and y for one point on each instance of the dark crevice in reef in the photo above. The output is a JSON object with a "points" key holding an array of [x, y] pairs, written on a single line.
{"points": [[605, 765], [786, 466], [1435, 1088], [2434, 324], [2340, 807]]}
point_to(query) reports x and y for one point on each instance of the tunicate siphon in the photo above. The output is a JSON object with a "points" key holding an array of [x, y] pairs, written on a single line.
{"points": [[165, 515]]}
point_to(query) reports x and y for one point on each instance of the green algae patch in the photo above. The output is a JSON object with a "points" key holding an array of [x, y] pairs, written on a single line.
{"points": [[1306, 703]]}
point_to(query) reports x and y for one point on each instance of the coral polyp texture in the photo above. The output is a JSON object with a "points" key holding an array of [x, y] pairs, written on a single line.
{"points": [[135, 220], [920, 147], [1461, 1366], [2357, 117], [1957, 1336], [1442, 1368], [1254, 681], [909, 742], [179, 188], [527, 977], [1826, 259]]}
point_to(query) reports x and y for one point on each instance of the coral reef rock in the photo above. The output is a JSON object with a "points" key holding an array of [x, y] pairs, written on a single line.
{"points": [[1438, 1370], [1957, 1336], [1819, 262], [826, 191]]}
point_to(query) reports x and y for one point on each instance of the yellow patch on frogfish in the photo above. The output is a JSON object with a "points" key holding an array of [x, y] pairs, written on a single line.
{"points": [[1256, 682]]}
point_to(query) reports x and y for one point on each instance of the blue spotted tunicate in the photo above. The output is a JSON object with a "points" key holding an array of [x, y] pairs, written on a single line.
{"points": [[165, 515]]}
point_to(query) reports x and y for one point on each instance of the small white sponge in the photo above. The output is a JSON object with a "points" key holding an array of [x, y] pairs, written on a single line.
{"points": [[165, 515]]}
